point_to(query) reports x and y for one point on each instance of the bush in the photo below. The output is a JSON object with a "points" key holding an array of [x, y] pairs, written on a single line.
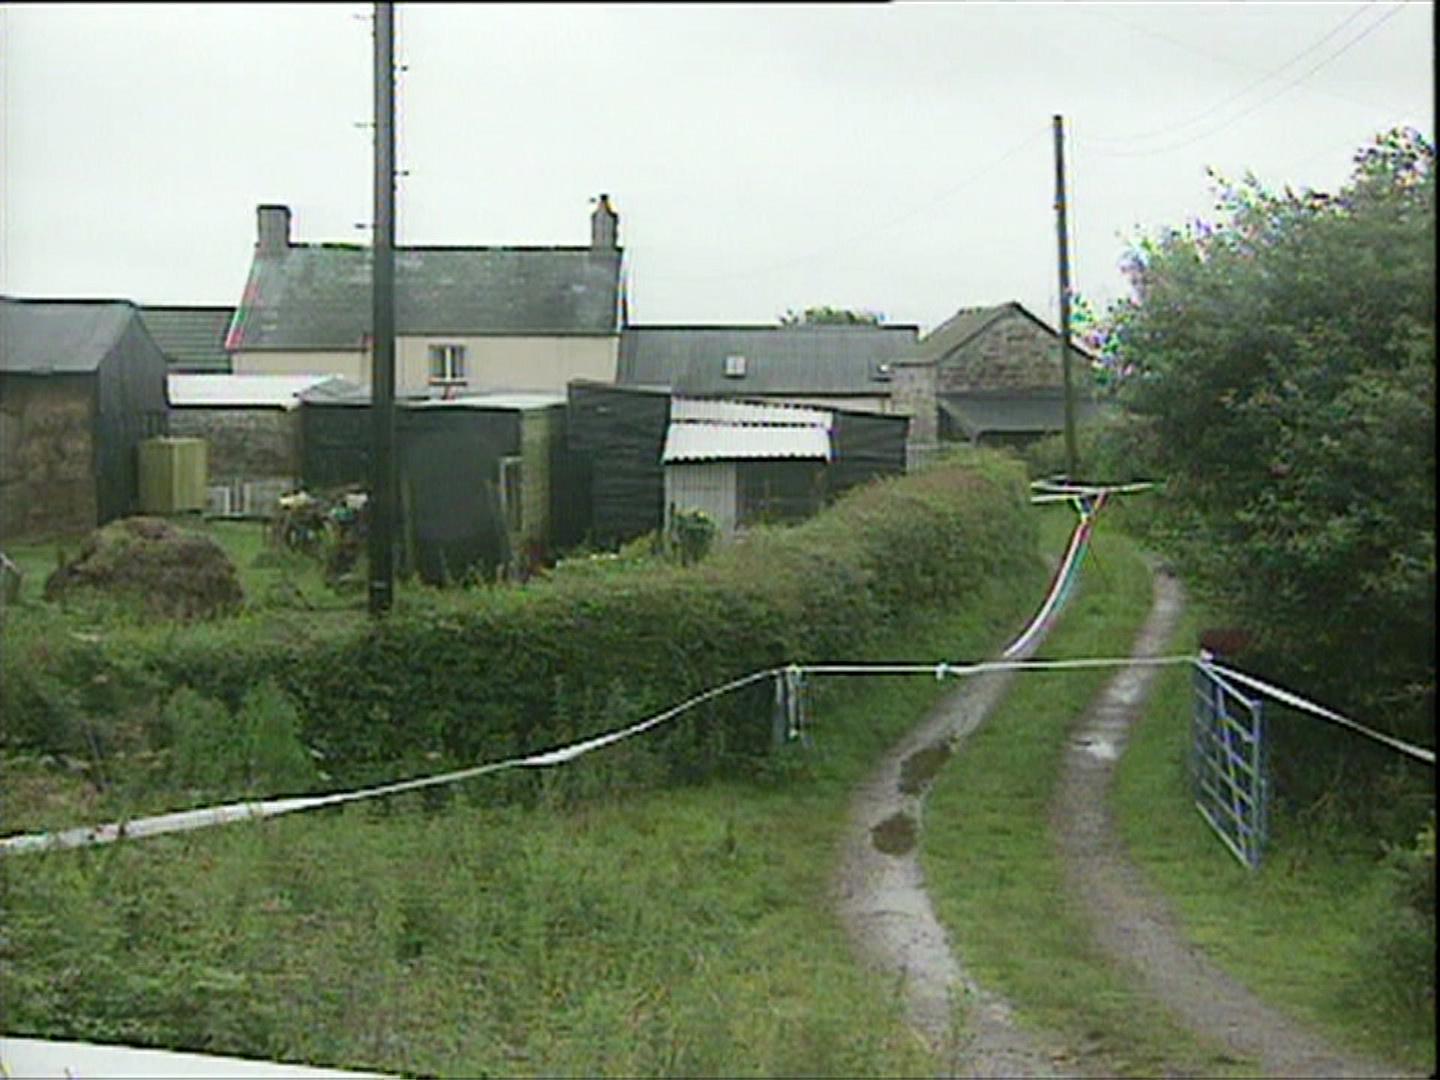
{"points": [[487, 674], [1401, 943]]}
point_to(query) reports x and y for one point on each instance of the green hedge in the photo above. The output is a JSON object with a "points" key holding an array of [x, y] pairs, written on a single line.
{"points": [[483, 674]]}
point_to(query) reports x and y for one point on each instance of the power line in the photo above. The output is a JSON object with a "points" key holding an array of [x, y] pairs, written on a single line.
{"points": [[1170, 129], [1351, 43], [944, 196]]}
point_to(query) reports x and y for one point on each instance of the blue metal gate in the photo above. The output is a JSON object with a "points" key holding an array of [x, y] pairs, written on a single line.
{"points": [[1227, 764]]}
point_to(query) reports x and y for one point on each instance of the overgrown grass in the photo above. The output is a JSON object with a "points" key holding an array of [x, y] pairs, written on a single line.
{"points": [[991, 865], [604, 931], [1299, 932]]}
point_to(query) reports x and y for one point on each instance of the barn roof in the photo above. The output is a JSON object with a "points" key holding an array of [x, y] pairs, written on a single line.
{"points": [[192, 337], [44, 337], [201, 390]]}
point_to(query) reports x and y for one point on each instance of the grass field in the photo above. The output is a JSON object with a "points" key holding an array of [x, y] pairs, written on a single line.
{"points": [[650, 932]]}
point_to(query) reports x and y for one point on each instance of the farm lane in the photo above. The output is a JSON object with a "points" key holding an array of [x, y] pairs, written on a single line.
{"points": [[1131, 921], [881, 898]]}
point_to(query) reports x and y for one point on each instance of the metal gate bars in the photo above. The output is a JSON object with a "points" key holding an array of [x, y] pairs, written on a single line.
{"points": [[1227, 765]]}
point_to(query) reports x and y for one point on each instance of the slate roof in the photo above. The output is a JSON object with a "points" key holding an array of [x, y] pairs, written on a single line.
{"points": [[192, 337], [60, 337], [968, 323], [317, 296], [834, 360], [1014, 413]]}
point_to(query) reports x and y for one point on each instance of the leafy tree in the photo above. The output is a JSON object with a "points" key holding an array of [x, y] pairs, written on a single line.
{"points": [[830, 316], [1284, 356]]}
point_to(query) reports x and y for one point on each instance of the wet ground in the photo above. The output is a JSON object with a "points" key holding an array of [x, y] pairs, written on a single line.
{"points": [[881, 897]]}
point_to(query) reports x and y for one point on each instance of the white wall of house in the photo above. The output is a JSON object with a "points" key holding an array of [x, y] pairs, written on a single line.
{"points": [[354, 364], [510, 363], [491, 362], [703, 485]]}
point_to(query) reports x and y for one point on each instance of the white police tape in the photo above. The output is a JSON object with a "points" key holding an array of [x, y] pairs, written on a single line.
{"points": [[41, 1059], [1059, 587], [189, 820], [1208, 665]]}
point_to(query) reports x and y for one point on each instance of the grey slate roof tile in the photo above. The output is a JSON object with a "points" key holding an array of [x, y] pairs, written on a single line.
{"points": [[60, 336], [778, 359], [193, 337], [317, 296]]}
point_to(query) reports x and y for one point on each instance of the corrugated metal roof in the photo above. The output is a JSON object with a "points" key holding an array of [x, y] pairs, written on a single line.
{"points": [[743, 442], [317, 296], [718, 410], [60, 336], [243, 391], [192, 337], [500, 399], [778, 359]]}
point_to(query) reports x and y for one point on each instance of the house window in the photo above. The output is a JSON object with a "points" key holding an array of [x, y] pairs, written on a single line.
{"points": [[734, 367], [447, 364], [512, 493]]}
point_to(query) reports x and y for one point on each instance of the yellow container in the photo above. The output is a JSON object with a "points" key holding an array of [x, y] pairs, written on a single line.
{"points": [[172, 475]]}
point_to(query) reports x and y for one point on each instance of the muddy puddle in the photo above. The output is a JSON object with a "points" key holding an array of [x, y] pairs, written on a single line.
{"points": [[895, 835], [917, 770]]}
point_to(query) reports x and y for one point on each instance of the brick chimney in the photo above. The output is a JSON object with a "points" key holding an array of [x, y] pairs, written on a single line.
{"points": [[604, 226], [273, 236]]}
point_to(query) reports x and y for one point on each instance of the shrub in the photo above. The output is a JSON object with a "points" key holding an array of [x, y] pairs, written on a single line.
{"points": [[477, 675]]}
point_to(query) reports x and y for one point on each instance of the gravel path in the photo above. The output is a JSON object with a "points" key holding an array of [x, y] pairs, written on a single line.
{"points": [[1130, 921], [881, 899]]}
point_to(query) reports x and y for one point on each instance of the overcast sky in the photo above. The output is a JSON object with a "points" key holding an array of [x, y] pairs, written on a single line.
{"points": [[896, 158]]}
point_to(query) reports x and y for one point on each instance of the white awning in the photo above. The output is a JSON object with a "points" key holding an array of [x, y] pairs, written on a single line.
{"points": [[240, 391], [743, 442], [716, 411]]}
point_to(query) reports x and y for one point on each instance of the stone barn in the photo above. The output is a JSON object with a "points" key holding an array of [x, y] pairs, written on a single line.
{"points": [[991, 376], [81, 384]]}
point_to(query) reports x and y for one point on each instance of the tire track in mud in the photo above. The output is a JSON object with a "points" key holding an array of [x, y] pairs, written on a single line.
{"points": [[1130, 921], [881, 899]]}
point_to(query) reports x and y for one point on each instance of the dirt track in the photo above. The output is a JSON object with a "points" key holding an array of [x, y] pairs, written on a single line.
{"points": [[881, 898]]}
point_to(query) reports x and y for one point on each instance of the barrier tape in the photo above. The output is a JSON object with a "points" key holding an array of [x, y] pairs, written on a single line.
{"points": [[1064, 575], [1286, 697], [43, 1059], [791, 675], [189, 820]]}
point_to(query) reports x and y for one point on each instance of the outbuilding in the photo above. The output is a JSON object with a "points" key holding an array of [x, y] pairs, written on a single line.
{"points": [[483, 477], [81, 384], [251, 426]]}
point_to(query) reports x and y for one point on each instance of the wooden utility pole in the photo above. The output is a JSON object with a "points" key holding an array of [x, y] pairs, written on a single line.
{"points": [[1071, 464], [382, 343]]}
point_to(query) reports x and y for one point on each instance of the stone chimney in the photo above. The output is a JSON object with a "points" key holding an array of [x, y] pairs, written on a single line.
{"points": [[604, 226], [274, 229]]}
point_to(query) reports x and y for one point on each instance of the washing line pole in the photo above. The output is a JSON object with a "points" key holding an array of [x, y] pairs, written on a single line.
{"points": [[382, 375], [1071, 464]]}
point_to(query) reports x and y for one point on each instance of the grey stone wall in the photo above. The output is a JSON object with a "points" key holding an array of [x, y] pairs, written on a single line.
{"points": [[1012, 354], [244, 444], [912, 394], [47, 456]]}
